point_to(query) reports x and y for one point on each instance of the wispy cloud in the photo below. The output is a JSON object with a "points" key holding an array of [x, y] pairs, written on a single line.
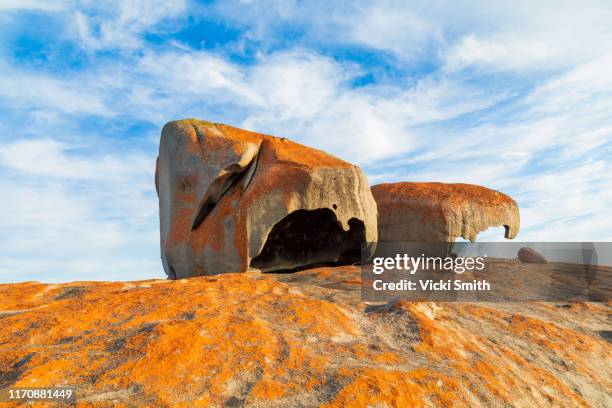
{"points": [[31, 90], [11, 5], [121, 24], [70, 216]]}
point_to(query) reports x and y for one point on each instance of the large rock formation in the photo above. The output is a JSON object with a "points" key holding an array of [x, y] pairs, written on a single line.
{"points": [[231, 200], [297, 340], [438, 212]]}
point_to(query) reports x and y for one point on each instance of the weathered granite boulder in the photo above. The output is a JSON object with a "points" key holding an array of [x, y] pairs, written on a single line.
{"points": [[439, 212], [232, 200], [530, 255]]}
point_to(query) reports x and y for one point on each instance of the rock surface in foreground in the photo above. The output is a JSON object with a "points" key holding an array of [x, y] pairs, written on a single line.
{"points": [[232, 200], [301, 339], [439, 212]]}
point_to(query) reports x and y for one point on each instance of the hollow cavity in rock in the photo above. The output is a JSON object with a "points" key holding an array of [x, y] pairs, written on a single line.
{"points": [[307, 238]]}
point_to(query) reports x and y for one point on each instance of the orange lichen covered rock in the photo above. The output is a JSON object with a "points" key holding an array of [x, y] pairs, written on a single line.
{"points": [[439, 212], [302, 339], [232, 200]]}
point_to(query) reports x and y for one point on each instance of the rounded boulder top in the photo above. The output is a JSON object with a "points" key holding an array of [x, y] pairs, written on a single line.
{"points": [[440, 212]]}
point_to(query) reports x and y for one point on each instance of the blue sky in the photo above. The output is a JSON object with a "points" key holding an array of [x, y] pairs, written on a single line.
{"points": [[515, 96]]}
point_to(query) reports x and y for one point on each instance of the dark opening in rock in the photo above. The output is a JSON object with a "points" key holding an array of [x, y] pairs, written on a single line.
{"points": [[507, 231], [307, 238]]}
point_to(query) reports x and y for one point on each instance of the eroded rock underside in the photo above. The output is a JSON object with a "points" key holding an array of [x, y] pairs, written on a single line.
{"points": [[232, 200], [301, 339], [439, 212]]}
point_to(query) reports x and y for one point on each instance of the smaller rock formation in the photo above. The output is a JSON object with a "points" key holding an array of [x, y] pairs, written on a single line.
{"points": [[231, 200], [439, 212], [530, 255]]}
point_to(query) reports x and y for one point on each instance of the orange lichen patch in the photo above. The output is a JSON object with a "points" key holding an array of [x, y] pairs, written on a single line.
{"points": [[181, 224], [417, 388], [329, 274], [211, 338], [313, 317], [431, 331], [496, 362], [549, 335], [452, 194], [345, 277], [268, 390], [287, 150], [367, 353], [295, 340], [284, 149], [598, 308], [439, 212], [212, 231], [401, 195], [29, 296], [284, 179]]}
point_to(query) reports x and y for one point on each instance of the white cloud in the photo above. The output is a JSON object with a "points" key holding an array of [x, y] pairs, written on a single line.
{"points": [[14, 5], [533, 37], [504, 36], [36, 90], [297, 84], [393, 26], [589, 82], [68, 216], [50, 158], [197, 73], [308, 97], [120, 24]]}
